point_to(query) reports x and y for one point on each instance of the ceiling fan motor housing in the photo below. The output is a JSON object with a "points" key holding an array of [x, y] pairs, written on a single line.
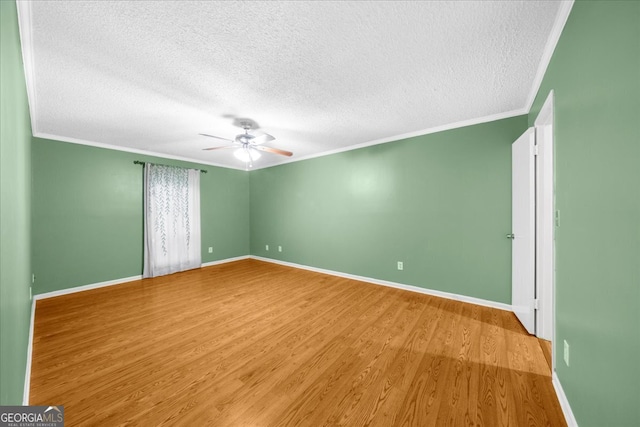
{"points": [[244, 138]]}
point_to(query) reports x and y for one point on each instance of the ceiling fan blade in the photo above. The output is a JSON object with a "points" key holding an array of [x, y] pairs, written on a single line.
{"points": [[217, 148], [216, 137], [273, 150], [261, 138]]}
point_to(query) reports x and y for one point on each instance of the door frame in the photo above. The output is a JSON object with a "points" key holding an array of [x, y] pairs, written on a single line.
{"points": [[545, 224]]}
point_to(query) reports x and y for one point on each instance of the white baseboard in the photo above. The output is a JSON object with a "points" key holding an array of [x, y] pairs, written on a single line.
{"points": [[118, 281], [564, 402], [456, 297], [27, 375], [226, 260], [85, 287], [562, 398]]}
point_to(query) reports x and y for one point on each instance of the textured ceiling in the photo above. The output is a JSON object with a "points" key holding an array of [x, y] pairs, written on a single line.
{"points": [[319, 76]]}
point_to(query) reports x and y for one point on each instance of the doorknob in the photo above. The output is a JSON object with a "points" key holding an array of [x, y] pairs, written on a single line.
{"points": [[511, 236]]}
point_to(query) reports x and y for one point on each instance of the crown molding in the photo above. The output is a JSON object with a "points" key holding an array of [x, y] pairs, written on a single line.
{"points": [[25, 20], [25, 24], [550, 47], [129, 150], [436, 129]]}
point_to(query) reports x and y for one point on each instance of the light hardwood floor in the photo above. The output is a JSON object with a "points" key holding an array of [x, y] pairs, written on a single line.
{"points": [[251, 343]]}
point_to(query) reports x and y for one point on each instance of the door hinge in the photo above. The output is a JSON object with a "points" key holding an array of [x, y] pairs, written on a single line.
{"points": [[536, 304], [535, 150]]}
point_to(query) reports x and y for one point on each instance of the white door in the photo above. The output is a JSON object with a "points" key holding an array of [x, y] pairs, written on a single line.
{"points": [[523, 289], [545, 222]]}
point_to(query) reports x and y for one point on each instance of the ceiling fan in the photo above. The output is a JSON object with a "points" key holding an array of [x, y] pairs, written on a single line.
{"points": [[248, 145]]}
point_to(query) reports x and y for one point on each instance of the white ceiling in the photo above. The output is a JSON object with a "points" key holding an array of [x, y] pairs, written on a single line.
{"points": [[319, 76]]}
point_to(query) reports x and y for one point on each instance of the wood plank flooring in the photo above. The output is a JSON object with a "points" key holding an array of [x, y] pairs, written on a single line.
{"points": [[546, 350], [251, 343]]}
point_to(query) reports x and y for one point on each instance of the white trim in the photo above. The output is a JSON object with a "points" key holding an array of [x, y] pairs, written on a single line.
{"points": [[564, 402], [550, 47], [411, 288], [25, 19], [224, 261], [118, 281], [30, 76], [25, 24], [450, 126], [562, 398], [27, 374], [83, 288], [436, 129], [129, 150]]}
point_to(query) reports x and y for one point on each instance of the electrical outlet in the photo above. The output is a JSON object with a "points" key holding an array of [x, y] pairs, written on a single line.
{"points": [[400, 265], [566, 352], [210, 249], [279, 248], [266, 247]]}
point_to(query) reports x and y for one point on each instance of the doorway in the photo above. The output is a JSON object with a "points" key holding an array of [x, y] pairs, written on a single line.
{"points": [[533, 221]]}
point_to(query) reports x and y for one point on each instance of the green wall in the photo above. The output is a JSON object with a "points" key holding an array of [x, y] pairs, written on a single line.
{"points": [[88, 214], [595, 75], [441, 203], [15, 205]]}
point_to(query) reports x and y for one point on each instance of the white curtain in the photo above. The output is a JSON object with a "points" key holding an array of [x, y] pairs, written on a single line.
{"points": [[171, 220]]}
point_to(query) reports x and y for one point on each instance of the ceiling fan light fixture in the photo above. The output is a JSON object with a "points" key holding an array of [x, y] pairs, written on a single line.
{"points": [[247, 154], [248, 146]]}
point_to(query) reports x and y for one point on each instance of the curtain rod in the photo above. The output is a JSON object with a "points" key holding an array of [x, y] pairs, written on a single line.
{"points": [[138, 162]]}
